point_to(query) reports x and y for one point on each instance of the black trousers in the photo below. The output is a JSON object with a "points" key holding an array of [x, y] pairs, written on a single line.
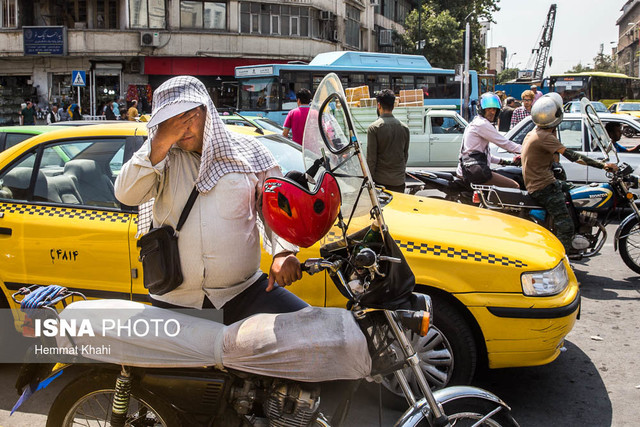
{"points": [[255, 299]]}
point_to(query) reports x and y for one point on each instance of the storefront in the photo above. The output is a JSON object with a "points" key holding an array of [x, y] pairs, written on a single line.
{"points": [[107, 84]]}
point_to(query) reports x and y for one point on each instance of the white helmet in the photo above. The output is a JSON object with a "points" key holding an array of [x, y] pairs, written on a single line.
{"points": [[547, 111]]}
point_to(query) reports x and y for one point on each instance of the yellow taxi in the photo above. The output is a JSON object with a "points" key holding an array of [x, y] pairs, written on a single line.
{"points": [[503, 292], [631, 108]]}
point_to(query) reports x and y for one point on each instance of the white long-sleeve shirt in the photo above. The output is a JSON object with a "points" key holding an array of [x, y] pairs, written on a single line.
{"points": [[477, 137], [219, 244]]}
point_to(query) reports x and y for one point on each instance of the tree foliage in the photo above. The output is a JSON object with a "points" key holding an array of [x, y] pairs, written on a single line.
{"points": [[506, 75], [601, 62], [444, 38]]}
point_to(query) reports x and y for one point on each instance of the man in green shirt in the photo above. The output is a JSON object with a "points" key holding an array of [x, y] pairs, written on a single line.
{"points": [[388, 145], [28, 114]]}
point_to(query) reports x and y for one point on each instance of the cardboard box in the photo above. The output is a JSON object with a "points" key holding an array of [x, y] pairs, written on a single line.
{"points": [[357, 93], [368, 102], [411, 104], [411, 95]]}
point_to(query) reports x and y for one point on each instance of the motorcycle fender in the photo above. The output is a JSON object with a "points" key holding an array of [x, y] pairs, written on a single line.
{"points": [[624, 222], [421, 410]]}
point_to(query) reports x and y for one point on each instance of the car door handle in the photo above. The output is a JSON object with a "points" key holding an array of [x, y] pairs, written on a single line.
{"points": [[4, 231], [435, 138]]}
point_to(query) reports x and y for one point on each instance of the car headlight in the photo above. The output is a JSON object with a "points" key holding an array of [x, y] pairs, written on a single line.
{"points": [[545, 283]]}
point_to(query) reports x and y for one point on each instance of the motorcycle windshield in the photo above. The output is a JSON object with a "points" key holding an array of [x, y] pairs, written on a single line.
{"points": [[600, 139], [329, 139]]}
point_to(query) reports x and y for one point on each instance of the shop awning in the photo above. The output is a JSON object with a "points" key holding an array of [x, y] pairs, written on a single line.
{"points": [[175, 66]]}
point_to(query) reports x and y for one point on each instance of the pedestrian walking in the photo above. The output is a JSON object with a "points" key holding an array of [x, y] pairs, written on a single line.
{"points": [[522, 112], [297, 117]]}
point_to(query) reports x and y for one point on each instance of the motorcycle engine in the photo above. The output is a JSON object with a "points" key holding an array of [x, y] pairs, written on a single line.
{"points": [[588, 218], [292, 405]]}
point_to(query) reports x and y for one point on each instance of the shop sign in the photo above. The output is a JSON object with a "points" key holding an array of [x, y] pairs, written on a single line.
{"points": [[41, 41], [254, 71]]}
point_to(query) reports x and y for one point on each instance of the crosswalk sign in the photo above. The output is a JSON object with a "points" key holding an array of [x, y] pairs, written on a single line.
{"points": [[78, 78]]}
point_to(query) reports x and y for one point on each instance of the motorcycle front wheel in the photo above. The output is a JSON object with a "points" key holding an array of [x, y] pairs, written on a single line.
{"points": [[87, 401], [472, 411], [630, 244]]}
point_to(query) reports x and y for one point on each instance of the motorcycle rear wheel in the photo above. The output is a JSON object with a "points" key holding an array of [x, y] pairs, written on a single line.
{"points": [[467, 411], [87, 400], [630, 245]]}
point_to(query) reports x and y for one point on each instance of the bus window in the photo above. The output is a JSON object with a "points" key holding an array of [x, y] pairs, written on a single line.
{"points": [[291, 83], [399, 83], [259, 94], [427, 84], [377, 82], [356, 80]]}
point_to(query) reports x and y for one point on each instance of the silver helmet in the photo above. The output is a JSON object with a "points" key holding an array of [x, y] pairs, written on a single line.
{"points": [[547, 111]]}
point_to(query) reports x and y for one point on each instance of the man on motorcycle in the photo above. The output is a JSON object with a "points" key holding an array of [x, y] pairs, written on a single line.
{"points": [[476, 139], [219, 245], [540, 149]]}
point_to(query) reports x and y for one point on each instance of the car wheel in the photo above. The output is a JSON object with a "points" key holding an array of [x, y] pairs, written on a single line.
{"points": [[448, 354]]}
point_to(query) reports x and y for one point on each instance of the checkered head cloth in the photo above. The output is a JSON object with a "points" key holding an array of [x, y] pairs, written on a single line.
{"points": [[223, 152]]}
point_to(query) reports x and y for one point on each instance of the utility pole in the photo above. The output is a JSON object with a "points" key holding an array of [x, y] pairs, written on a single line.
{"points": [[466, 80]]}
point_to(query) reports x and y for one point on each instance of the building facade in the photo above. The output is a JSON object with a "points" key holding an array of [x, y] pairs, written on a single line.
{"points": [[129, 47], [628, 51], [496, 59]]}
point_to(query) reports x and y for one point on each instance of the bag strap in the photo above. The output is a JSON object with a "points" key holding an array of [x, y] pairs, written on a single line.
{"points": [[187, 208]]}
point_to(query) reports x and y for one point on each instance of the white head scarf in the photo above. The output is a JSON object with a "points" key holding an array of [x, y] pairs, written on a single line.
{"points": [[223, 152]]}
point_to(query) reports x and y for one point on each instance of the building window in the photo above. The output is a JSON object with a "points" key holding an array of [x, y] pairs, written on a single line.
{"points": [[352, 27], [147, 14], [203, 14], [106, 14], [274, 19], [9, 12]]}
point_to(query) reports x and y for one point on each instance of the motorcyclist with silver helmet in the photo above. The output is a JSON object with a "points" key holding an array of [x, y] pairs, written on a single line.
{"points": [[477, 136], [540, 149]]}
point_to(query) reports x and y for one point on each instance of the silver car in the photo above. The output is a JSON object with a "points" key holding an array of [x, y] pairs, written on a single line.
{"points": [[574, 135]]}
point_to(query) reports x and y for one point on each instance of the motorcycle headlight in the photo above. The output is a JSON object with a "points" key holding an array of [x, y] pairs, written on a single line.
{"points": [[545, 283]]}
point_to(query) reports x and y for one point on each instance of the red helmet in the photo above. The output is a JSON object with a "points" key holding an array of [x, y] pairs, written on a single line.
{"points": [[300, 216]]}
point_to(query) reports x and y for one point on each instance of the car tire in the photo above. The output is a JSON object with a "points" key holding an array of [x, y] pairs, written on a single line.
{"points": [[450, 334]]}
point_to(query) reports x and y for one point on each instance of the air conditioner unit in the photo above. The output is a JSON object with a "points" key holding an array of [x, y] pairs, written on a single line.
{"points": [[385, 38], [149, 38]]}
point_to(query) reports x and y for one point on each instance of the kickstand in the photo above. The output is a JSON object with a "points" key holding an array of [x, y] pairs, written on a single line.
{"points": [[342, 410]]}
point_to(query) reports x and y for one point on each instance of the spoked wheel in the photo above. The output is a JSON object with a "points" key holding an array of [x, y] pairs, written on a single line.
{"points": [[436, 361], [448, 354], [630, 244], [87, 402]]}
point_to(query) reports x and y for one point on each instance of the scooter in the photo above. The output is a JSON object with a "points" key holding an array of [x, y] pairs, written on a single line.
{"points": [[241, 378]]}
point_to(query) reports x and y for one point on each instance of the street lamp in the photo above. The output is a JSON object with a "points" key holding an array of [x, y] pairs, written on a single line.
{"points": [[510, 58]]}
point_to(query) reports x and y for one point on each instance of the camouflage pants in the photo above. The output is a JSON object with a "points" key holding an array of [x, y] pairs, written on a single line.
{"points": [[553, 200]]}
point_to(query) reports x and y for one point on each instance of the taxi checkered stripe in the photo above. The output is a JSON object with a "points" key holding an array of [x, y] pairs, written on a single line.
{"points": [[464, 254], [51, 211]]}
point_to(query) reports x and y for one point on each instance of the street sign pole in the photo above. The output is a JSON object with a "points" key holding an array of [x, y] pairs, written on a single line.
{"points": [[79, 98]]}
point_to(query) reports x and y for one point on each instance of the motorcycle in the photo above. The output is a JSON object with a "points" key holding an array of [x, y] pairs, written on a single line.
{"points": [[455, 189], [240, 381], [592, 207]]}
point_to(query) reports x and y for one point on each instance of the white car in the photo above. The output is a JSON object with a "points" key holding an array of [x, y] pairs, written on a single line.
{"points": [[574, 135]]}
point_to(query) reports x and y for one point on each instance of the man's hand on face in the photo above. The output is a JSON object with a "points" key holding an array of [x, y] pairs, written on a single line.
{"points": [[170, 132], [285, 269]]}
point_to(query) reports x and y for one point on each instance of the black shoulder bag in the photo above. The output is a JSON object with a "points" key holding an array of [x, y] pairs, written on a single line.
{"points": [[475, 166], [159, 254]]}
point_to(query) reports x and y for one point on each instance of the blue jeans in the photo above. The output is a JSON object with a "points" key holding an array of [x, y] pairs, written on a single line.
{"points": [[255, 299]]}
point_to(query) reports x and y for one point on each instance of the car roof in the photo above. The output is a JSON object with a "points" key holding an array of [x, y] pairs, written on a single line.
{"points": [[28, 129]]}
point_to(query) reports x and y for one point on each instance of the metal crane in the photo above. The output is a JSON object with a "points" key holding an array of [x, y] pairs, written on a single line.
{"points": [[540, 53]]}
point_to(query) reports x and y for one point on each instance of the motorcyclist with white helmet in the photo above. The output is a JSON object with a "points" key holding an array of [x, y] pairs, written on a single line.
{"points": [[540, 149], [477, 136]]}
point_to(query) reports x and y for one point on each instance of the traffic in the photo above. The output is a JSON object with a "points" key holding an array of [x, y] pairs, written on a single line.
{"points": [[335, 224]]}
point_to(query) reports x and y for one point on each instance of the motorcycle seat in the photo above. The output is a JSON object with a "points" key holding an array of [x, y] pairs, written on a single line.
{"points": [[511, 197]]}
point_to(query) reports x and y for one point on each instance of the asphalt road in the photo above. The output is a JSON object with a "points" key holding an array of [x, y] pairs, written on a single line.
{"points": [[595, 382]]}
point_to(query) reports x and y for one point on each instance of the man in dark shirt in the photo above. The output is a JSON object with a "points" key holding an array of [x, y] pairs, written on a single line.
{"points": [[387, 145], [28, 114], [504, 119]]}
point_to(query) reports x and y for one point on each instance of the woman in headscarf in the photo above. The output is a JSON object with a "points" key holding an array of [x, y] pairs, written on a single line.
{"points": [[219, 244]]}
